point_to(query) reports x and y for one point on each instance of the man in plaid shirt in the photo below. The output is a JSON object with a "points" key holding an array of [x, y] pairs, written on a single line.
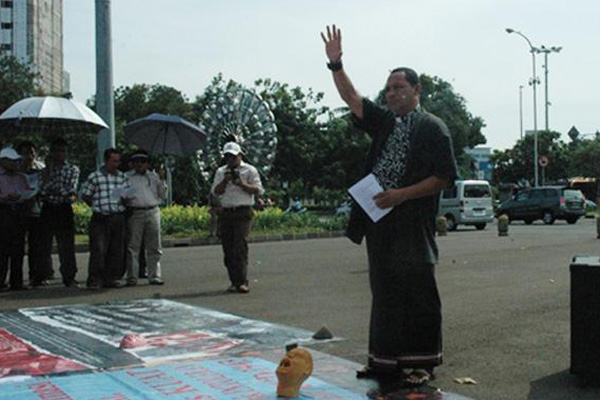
{"points": [[58, 191], [103, 191]]}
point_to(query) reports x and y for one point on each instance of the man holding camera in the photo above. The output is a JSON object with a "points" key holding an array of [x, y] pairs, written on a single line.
{"points": [[235, 184]]}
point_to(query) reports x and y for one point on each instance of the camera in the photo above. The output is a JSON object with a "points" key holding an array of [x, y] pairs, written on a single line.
{"points": [[234, 173]]}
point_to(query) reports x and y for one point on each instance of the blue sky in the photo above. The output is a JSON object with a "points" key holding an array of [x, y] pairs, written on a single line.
{"points": [[184, 43]]}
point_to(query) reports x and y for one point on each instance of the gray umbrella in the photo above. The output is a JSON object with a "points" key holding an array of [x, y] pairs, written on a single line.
{"points": [[165, 134], [50, 116]]}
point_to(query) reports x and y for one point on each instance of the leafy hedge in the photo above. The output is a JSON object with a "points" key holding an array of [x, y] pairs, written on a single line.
{"points": [[195, 220]]}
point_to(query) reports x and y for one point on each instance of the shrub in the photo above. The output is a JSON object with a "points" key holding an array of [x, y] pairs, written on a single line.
{"points": [[184, 219], [179, 220], [83, 214]]}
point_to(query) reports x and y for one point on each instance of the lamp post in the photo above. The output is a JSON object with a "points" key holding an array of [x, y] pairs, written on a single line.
{"points": [[521, 111], [533, 82], [546, 51]]}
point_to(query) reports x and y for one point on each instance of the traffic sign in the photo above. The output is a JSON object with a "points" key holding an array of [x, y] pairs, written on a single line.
{"points": [[543, 161]]}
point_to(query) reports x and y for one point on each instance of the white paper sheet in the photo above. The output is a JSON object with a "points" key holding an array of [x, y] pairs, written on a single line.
{"points": [[363, 191], [122, 192]]}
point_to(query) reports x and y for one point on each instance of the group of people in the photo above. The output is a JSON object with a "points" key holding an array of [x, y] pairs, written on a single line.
{"points": [[125, 228], [411, 157], [36, 206]]}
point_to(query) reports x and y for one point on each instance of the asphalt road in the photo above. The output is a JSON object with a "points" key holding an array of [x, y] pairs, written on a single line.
{"points": [[506, 301]]}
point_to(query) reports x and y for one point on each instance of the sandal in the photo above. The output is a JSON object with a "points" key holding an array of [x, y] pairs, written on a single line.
{"points": [[419, 377]]}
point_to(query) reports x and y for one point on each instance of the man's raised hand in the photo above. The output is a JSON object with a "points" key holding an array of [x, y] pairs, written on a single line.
{"points": [[333, 43]]}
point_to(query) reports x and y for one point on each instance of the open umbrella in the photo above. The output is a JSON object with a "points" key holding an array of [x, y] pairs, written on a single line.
{"points": [[50, 116], [165, 134]]}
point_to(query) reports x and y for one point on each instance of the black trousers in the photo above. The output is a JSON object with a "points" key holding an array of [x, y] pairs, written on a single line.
{"points": [[234, 228], [58, 222], [107, 248], [34, 229], [12, 244]]}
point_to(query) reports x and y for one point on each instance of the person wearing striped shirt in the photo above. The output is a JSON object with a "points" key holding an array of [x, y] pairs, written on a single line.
{"points": [[58, 192], [106, 191]]}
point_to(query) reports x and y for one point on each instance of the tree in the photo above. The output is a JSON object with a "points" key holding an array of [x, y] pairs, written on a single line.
{"points": [[317, 148], [516, 164], [439, 98], [586, 159], [17, 81], [584, 162]]}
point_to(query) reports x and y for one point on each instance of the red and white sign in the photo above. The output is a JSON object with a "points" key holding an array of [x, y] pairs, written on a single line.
{"points": [[19, 358], [543, 161]]}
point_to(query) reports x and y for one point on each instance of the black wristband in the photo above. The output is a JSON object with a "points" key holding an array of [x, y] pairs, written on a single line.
{"points": [[335, 66]]}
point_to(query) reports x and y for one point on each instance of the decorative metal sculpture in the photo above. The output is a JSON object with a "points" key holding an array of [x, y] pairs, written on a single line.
{"points": [[238, 114]]}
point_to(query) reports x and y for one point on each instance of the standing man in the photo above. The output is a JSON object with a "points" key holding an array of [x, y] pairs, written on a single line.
{"points": [[14, 208], [105, 191], [34, 227], [143, 224], [59, 191], [236, 183], [411, 157]]}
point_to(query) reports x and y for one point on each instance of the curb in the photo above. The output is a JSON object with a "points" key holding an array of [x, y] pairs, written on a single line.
{"points": [[209, 241]]}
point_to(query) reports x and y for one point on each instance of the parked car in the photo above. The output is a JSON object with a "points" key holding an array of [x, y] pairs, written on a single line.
{"points": [[547, 203], [469, 202]]}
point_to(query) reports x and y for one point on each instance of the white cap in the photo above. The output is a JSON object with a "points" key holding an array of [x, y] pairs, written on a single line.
{"points": [[232, 148], [10, 153]]}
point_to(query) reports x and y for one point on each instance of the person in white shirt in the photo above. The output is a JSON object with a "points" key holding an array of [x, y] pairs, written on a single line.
{"points": [[236, 184], [143, 224]]}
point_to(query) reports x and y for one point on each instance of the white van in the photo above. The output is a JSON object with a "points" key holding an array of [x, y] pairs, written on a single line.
{"points": [[467, 203]]}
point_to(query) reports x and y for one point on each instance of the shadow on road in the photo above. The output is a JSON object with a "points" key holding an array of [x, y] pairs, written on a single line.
{"points": [[214, 293], [562, 386], [48, 293]]}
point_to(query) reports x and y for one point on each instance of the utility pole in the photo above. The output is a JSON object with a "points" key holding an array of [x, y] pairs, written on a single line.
{"points": [[105, 106]]}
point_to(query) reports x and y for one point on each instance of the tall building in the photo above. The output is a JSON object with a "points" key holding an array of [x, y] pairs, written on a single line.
{"points": [[31, 30]]}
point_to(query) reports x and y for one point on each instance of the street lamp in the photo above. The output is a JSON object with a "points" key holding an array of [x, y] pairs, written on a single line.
{"points": [[533, 82], [521, 110], [546, 51]]}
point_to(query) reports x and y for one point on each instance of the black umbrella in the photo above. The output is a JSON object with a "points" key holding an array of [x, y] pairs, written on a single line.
{"points": [[165, 134]]}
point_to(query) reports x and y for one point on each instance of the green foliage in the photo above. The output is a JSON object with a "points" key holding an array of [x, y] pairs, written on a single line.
{"points": [[83, 215], [586, 159], [300, 140], [329, 197], [141, 100], [17, 81], [276, 220], [188, 219], [315, 147], [439, 98], [514, 165], [317, 150], [195, 220]]}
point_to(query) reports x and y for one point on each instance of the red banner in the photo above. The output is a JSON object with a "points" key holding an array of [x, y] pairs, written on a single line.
{"points": [[20, 358]]}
